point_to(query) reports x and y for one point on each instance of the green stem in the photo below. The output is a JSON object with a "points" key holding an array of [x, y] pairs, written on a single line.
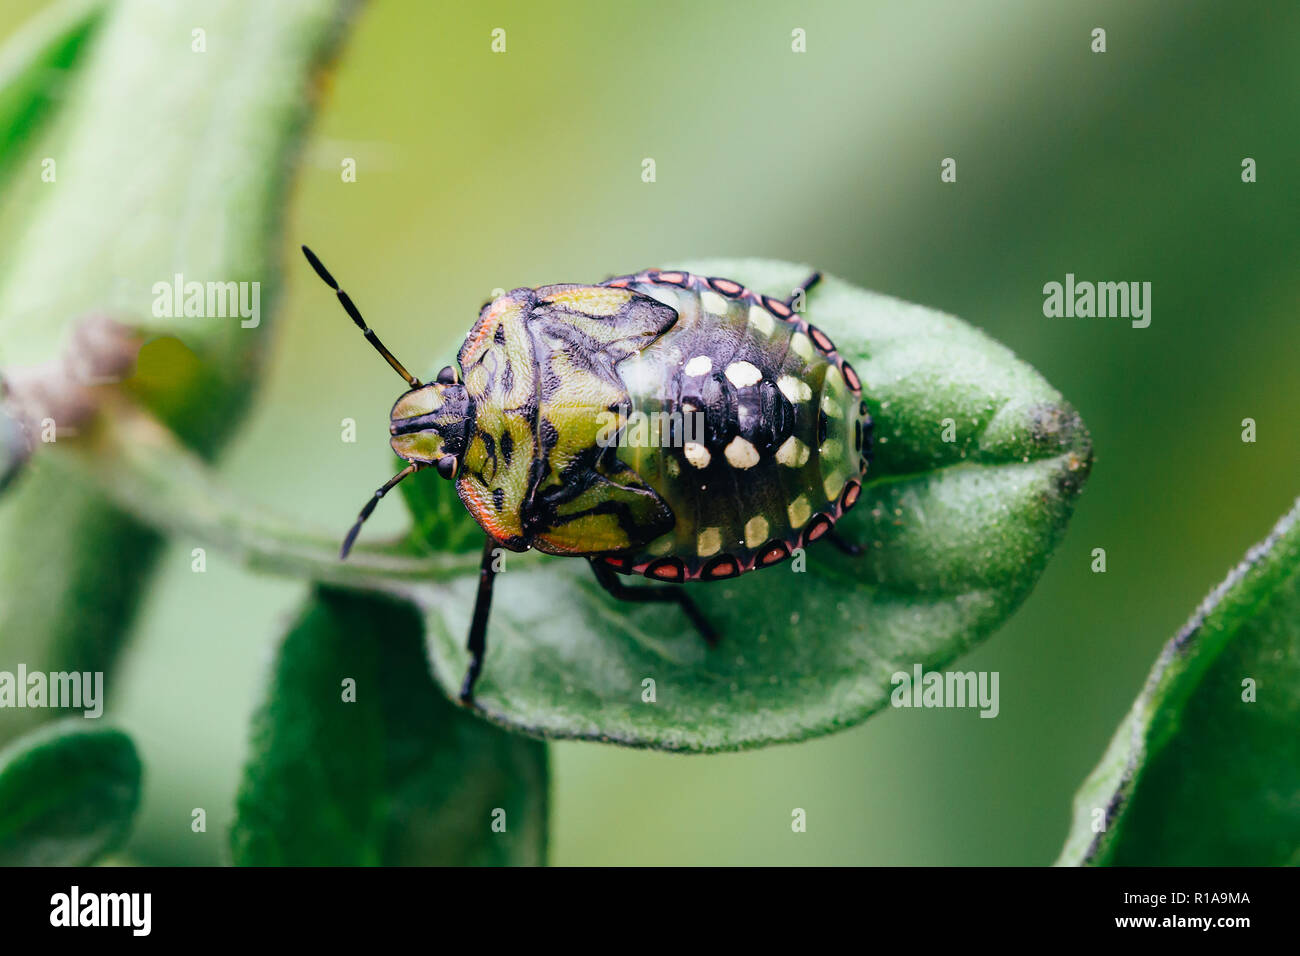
{"points": [[141, 467]]}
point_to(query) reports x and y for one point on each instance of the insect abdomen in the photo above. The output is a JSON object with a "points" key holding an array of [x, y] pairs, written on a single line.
{"points": [[767, 436]]}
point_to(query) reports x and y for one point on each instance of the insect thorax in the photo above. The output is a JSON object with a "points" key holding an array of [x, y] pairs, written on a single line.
{"points": [[539, 367]]}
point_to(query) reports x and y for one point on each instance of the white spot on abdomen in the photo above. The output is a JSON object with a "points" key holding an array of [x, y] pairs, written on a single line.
{"points": [[799, 511], [714, 303], [696, 454], [744, 374], [794, 389], [741, 454], [793, 453], [700, 365], [801, 345]]}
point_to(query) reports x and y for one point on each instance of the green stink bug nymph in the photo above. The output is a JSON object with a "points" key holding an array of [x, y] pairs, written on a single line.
{"points": [[767, 444]]}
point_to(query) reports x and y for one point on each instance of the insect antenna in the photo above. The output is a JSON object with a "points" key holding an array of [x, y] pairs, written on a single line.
{"points": [[350, 308], [370, 506]]}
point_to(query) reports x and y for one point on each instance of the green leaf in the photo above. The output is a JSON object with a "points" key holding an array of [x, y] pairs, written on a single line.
{"points": [[399, 776], [956, 534], [205, 200], [1205, 770], [68, 793]]}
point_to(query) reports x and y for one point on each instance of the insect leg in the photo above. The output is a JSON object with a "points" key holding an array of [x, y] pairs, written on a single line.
{"points": [[848, 547], [477, 644], [662, 595], [803, 288]]}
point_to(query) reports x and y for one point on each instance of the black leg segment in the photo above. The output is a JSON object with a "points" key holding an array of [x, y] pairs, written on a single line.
{"points": [[477, 644], [803, 287], [848, 547], [667, 594]]}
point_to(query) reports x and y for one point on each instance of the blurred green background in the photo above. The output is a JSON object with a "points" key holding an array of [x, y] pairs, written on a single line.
{"points": [[478, 171]]}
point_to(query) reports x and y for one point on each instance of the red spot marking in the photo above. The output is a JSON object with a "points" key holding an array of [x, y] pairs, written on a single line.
{"points": [[616, 562], [724, 566], [819, 527], [618, 284], [818, 336], [672, 278], [774, 553], [851, 494], [665, 569], [726, 286], [779, 307], [851, 377]]}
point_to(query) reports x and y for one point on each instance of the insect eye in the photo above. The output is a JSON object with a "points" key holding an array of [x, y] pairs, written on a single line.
{"points": [[447, 376], [447, 466]]}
